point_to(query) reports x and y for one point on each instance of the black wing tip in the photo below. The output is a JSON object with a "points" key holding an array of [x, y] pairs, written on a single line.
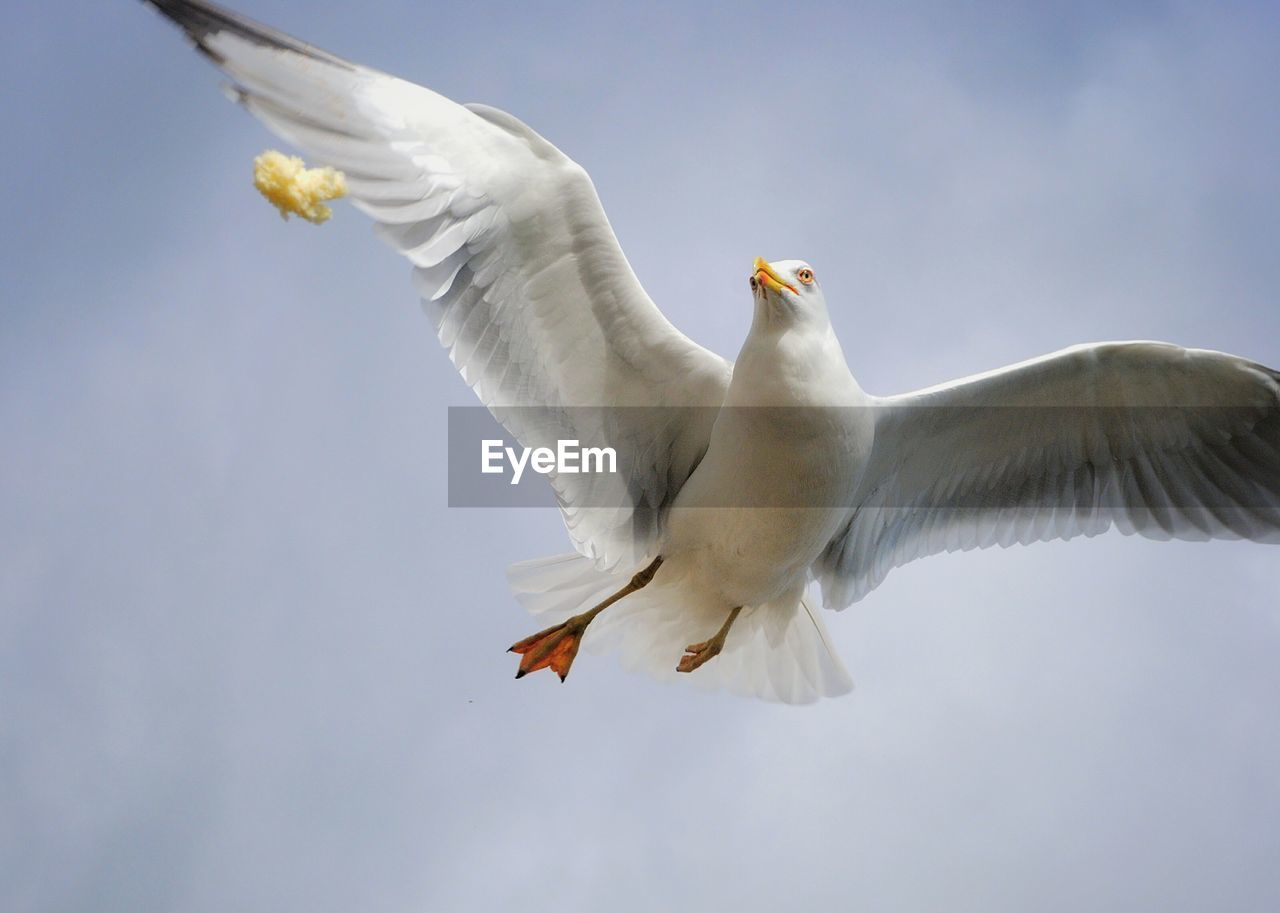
{"points": [[202, 21]]}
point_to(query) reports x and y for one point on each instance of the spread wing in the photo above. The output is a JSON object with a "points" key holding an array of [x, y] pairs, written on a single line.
{"points": [[514, 259], [1150, 438]]}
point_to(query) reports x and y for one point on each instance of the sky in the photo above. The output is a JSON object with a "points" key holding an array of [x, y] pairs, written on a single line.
{"points": [[251, 661]]}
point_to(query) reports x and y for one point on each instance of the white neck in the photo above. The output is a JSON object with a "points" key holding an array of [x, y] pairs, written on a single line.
{"points": [[790, 359]]}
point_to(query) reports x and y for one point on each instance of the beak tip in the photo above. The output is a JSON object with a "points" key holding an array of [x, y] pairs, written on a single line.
{"points": [[769, 277]]}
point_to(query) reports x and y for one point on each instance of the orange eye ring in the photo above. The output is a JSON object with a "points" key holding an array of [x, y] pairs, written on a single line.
{"points": [[806, 276]]}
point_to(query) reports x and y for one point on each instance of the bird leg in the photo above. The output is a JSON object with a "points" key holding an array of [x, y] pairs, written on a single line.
{"points": [[697, 654], [558, 645]]}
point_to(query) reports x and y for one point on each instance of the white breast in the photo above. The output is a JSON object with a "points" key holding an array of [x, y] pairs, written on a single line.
{"points": [[775, 484]]}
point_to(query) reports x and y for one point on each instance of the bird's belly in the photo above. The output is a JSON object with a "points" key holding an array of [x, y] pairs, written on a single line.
{"points": [[756, 514], [749, 555]]}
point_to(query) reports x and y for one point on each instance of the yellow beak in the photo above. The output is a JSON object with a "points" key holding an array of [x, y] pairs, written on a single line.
{"points": [[767, 276]]}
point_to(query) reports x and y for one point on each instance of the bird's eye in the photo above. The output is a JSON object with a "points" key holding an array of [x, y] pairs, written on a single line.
{"points": [[806, 276]]}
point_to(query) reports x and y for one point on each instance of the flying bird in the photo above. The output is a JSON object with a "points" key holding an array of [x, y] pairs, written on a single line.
{"points": [[742, 483]]}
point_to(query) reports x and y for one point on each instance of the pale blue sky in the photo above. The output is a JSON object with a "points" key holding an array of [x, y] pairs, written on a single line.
{"points": [[250, 661]]}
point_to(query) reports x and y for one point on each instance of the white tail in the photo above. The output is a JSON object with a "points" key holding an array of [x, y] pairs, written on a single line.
{"points": [[778, 651]]}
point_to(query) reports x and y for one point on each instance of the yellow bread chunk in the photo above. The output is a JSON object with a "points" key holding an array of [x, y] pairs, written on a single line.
{"points": [[292, 187]]}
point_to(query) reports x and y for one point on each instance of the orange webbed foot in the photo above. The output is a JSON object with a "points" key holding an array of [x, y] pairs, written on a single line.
{"points": [[697, 654], [553, 648]]}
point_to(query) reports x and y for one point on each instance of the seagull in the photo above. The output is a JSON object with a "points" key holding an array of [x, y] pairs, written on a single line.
{"points": [[744, 485]]}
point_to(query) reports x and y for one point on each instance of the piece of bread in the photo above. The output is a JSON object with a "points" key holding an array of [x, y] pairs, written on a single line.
{"points": [[292, 187]]}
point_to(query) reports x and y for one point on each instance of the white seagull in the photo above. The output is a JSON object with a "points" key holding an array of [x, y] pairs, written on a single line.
{"points": [[743, 482]]}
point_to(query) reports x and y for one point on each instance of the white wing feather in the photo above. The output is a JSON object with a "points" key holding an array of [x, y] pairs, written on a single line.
{"points": [[515, 260], [1150, 438]]}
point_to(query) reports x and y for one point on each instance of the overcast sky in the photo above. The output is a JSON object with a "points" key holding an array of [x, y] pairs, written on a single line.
{"points": [[250, 661]]}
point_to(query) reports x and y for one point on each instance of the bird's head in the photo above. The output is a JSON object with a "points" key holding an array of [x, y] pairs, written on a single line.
{"points": [[786, 289]]}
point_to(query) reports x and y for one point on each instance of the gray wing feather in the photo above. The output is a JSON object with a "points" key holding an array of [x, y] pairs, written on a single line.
{"points": [[1149, 438]]}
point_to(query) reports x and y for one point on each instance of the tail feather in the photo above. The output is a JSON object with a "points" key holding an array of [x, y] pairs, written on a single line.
{"points": [[777, 651], [556, 587]]}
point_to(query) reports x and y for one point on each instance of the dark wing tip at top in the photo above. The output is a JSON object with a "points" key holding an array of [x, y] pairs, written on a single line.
{"points": [[201, 21]]}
